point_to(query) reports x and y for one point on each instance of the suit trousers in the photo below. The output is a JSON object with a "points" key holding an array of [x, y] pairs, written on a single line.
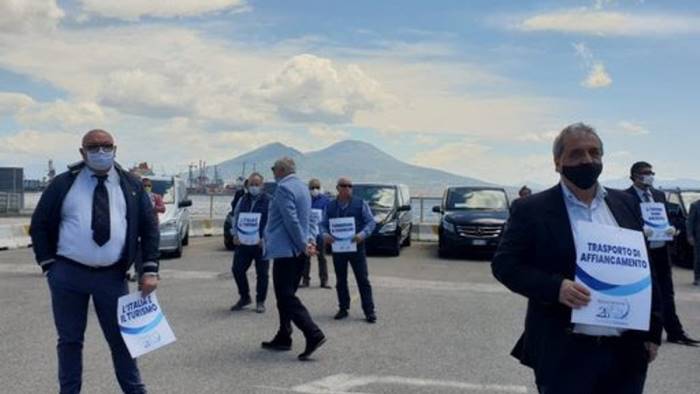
{"points": [[242, 260], [71, 287], [286, 273], [660, 260], [697, 261], [358, 262], [587, 366]]}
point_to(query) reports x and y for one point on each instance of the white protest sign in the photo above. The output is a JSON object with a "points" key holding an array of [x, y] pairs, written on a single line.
{"points": [[655, 218], [248, 228], [142, 323], [343, 230], [612, 263]]}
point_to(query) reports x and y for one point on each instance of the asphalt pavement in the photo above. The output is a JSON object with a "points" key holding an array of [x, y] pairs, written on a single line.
{"points": [[445, 326]]}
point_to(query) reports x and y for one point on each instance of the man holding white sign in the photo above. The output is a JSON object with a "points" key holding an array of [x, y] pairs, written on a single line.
{"points": [[249, 221], [537, 258], [347, 224], [658, 231]]}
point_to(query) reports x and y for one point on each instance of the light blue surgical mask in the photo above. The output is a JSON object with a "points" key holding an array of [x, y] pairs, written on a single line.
{"points": [[100, 160], [254, 190]]}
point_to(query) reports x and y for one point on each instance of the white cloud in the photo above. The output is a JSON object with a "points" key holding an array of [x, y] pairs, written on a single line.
{"points": [[608, 23], [325, 135], [597, 77], [632, 128], [133, 10], [32, 143], [311, 88], [11, 103], [22, 16], [62, 115]]}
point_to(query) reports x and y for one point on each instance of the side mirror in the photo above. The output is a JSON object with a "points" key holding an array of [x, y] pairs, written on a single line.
{"points": [[184, 204], [437, 209], [404, 208]]}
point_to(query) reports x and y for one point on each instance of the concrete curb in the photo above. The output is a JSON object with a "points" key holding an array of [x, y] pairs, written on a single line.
{"points": [[13, 236]]}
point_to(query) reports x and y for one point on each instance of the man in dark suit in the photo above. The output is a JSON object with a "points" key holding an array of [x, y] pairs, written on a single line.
{"points": [[85, 233], [642, 190], [537, 259]]}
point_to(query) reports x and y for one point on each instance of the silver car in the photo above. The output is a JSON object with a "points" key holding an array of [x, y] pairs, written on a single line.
{"points": [[175, 221]]}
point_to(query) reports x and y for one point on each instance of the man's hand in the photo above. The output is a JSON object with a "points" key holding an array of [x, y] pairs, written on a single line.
{"points": [[147, 284], [358, 238], [310, 249], [653, 350], [648, 232], [328, 239], [573, 294], [691, 241], [671, 231]]}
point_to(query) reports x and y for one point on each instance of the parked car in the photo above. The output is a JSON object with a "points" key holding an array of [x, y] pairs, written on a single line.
{"points": [[175, 221], [391, 207], [471, 219], [679, 201], [269, 188]]}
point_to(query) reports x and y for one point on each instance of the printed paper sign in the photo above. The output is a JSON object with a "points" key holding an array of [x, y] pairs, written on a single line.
{"points": [[248, 228], [343, 230], [655, 218], [142, 323], [613, 264]]}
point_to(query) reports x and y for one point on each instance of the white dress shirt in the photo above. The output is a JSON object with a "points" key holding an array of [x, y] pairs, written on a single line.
{"points": [[641, 193], [597, 212], [75, 233]]}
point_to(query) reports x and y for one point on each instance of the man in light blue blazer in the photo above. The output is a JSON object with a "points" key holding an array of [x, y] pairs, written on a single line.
{"points": [[288, 241]]}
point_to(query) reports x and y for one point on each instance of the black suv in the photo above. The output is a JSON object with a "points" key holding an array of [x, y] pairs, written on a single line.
{"points": [[679, 200], [472, 218], [391, 207]]}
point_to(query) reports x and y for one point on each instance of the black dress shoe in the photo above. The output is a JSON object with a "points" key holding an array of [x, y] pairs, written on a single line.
{"points": [[242, 303], [683, 340], [281, 345], [325, 285], [311, 346], [342, 314], [371, 318], [304, 283]]}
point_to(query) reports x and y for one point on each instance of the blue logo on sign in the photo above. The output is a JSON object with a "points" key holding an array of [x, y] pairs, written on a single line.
{"points": [[610, 288], [145, 328]]}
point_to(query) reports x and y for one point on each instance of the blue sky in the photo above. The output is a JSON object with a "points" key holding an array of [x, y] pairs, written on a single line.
{"points": [[478, 88]]}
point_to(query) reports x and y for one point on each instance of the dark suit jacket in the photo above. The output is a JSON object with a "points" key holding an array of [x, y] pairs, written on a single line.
{"points": [[537, 252], [142, 226]]}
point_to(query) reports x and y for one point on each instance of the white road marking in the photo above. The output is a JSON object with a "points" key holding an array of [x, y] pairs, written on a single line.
{"points": [[344, 383]]}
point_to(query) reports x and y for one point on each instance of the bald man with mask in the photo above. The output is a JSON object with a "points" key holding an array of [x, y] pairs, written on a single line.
{"points": [[85, 234]]}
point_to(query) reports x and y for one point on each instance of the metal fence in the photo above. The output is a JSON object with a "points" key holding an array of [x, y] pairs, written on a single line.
{"points": [[11, 202], [422, 208]]}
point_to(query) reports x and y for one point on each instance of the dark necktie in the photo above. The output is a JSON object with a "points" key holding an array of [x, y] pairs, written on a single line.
{"points": [[100, 212], [647, 197]]}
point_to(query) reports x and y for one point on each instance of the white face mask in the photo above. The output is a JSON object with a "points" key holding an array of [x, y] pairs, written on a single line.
{"points": [[254, 190], [648, 180], [315, 192], [100, 160]]}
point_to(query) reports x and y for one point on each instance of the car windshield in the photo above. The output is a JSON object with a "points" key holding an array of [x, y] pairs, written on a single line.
{"points": [[465, 198], [689, 198], [165, 189], [380, 198]]}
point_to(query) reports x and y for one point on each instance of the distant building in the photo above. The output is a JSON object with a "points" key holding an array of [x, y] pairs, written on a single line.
{"points": [[11, 189]]}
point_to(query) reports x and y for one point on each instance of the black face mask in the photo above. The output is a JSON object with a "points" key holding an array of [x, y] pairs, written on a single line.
{"points": [[583, 175]]}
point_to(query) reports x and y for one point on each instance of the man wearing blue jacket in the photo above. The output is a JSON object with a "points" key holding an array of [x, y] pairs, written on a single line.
{"points": [[319, 201], [85, 234], [256, 201], [342, 207], [289, 242]]}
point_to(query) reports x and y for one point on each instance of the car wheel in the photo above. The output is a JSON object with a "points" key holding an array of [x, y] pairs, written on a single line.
{"points": [[442, 248], [396, 250], [186, 241], [178, 252], [407, 241]]}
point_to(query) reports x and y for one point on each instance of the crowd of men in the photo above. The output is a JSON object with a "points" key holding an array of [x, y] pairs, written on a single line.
{"points": [[95, 221]]}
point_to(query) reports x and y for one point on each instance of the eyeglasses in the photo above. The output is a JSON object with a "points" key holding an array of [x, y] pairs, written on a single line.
{"points": [[107, 148], [345, 185], [314, 188]]}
